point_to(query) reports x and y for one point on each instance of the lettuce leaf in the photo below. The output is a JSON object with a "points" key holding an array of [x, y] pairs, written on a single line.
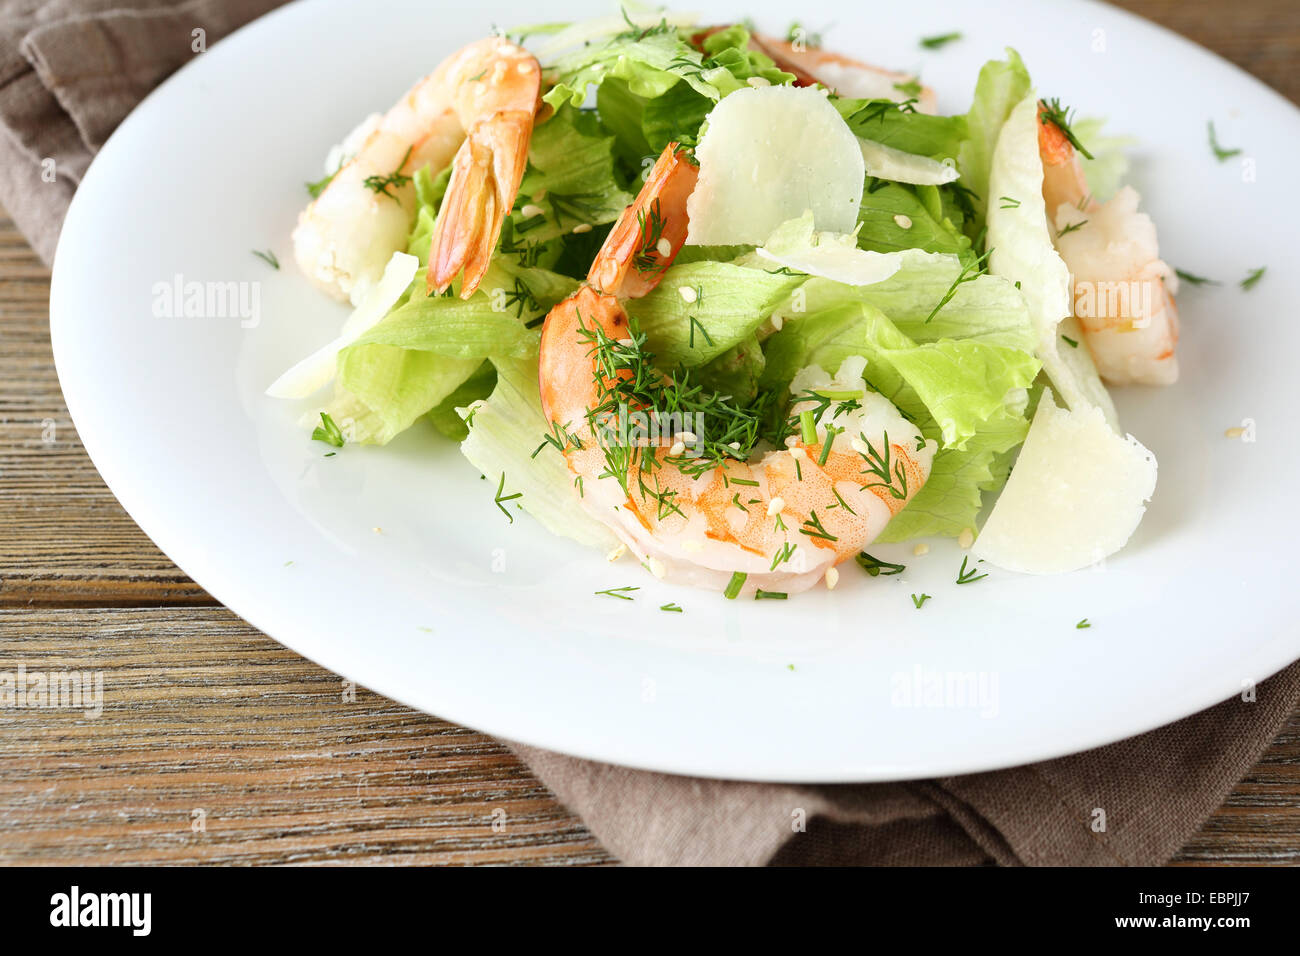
{"points": [[962, 376], [570, 179], [728, 303], [895, 125], [1001, 85], [504, 430]]}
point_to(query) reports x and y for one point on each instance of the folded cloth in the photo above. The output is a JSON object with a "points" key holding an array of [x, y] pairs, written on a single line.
{"points": [[70, 71]]}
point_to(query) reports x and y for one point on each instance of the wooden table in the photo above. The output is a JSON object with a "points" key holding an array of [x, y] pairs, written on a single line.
{"points": [[223, 747]]}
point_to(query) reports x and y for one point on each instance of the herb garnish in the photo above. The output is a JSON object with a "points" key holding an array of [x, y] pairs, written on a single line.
{"points": [[969, 273], [619, 593], [734, 585], [268, 257], [1051, 111], [650, 228], [1194, 279], [761, 595], [1072, 227], [874, 566], [1083, 624], [1221, 154], [918, 601], [1070, 342], [381, 184], [500, 498], [318, 187], [1249, 282], [327, 431], [969, 577], [943, 39], [672, 606]]}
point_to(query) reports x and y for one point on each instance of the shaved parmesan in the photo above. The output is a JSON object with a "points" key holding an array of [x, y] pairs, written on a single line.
{"points": [[769, 155], [317, 370], [829, 255], [1075, 496], [886, 162], [1022, 251]]}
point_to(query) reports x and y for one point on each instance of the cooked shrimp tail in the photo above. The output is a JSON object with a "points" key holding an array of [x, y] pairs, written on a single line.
{"points": [[497, 106], [476, 110]]}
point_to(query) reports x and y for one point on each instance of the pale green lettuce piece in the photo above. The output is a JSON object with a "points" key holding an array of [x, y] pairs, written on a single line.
{"points": [[1108, 167], [728, 303], [963, 376], [797, 245], [571, 169], [1001, 85], [383, 390], [1021, 250], [504, 431]]}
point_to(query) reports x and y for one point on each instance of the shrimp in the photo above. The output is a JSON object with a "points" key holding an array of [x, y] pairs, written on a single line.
{"points": [[783, 520], [844, 75], [474, 112], [1123, 291]]}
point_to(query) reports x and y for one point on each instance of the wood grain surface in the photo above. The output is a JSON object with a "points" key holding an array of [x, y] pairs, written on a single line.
{"points": [[217, 745]]}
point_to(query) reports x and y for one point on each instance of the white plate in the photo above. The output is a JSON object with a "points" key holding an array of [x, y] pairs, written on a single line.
{"points": [[455, 611]]}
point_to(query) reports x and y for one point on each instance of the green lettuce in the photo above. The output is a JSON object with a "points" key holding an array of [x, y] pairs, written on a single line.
{"points": [[961, 375], [1001, 85], [504, 430], [728, 303]]}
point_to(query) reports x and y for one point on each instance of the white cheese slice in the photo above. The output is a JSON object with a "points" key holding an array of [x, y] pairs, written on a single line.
{"points": [[769, 155], [886, 162], [1075, 496]]}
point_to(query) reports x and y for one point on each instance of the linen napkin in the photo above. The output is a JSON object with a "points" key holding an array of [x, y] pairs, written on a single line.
{"points": [[70, 71]]}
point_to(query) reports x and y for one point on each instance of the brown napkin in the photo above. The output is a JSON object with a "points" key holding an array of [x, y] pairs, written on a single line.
{"points": [[70, 70]]}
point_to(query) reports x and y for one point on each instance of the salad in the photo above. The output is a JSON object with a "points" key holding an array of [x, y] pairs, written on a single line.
{"points": [[739, 306]]}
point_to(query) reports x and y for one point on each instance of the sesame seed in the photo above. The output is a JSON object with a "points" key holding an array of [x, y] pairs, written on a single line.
{"points": [[657, 568], [377, 530], [734, 446], [531, 209], [688, 436], [581, 228], [777, 321], [688, 294], [775, 506], [904, 222], [832, 578], [616, 553], [692, 545], [966, 538], [791, 441], [664, 248], [757, 81], [798, 452], [858, 445], [1234, 432], [677, 450], [921, 549]]}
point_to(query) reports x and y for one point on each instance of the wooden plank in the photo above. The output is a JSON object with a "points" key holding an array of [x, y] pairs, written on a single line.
{"points": [[203, 713], [64, 539]]}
